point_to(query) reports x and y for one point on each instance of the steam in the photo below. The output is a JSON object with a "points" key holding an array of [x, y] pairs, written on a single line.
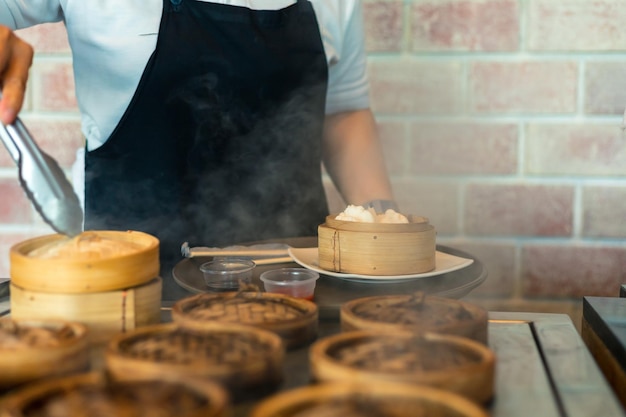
{"points": [[252, 170]]}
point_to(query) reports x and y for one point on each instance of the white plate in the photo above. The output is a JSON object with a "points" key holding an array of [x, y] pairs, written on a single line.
{"points": [[444, 263]]}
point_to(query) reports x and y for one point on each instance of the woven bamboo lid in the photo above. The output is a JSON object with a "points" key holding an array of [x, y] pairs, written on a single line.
{"points": [[453, 363], [367, 400], [295, 320], [377, 248], [94, 395], [236, 355], [416, 313], [94, 261], [33, 349]]}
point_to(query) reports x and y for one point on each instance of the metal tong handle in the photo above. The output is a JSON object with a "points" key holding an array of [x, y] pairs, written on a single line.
{"points": [[21, 143], [43, 180]]}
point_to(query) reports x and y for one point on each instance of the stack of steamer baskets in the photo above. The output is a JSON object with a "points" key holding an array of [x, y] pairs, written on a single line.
{"points": [[107, 280]]}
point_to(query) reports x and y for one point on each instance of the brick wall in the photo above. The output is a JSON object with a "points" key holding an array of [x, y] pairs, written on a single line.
{"points": [[501, 122]]}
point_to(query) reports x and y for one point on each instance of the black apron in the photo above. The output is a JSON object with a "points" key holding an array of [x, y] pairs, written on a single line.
{"points": [[221, 141]]}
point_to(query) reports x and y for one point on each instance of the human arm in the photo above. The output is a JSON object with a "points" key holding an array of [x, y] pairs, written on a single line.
{"points": [[351, 150], [16, 55], [352, 155]]}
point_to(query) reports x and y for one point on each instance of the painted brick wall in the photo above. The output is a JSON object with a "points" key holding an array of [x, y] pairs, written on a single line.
{"points": [[501, 122]]}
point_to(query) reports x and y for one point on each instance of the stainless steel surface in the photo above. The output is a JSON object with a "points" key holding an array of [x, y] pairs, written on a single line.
{"points": [[43, 181], [4, 296], [4, 287]]}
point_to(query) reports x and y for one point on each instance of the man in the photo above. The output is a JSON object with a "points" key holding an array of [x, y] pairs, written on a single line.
{"points": [[205, 121]]}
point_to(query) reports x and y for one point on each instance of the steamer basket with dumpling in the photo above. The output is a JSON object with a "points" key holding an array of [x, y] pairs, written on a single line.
{"points": [[108, 280], [34, 349], [357, 247], [93, 394], [93, 261]]}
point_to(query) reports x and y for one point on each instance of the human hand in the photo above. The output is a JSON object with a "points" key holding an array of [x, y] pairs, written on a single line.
{"points": [[16, 57]]}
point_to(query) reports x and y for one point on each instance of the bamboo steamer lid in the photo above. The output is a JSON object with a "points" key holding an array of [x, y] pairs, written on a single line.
{"points": [[377, 248], [94, 395], [416, 313], [33, 349], [239, 357], [86, 272], [367, 400], [105, 313], [295, 320], [453, 363]]}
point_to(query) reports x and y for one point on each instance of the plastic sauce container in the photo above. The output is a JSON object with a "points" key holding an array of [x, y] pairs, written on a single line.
{"points": [[225, 274], [295, 282]]}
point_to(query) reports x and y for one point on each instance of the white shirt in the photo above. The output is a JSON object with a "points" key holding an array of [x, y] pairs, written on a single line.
{"points": [[112, 40]]}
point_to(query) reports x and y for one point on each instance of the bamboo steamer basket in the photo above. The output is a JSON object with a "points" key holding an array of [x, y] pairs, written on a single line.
{"points": [[377, 248], [239, 357], [105, 314], [94, 395], [453, 363], [77, 275], [295, 320], [416, 313], [367, 400], [34, 349]]}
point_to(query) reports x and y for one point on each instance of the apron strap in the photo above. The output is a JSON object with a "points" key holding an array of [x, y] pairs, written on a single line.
{"points": [[176, 4]]}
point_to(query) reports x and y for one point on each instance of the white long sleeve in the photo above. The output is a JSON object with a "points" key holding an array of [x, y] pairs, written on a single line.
{"points": [[112, 41]]}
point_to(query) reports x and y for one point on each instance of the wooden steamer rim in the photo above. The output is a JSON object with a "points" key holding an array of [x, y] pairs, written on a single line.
{"points": [[85, 276], [382, 249], [104, 313], [213, 399], [452, 363], [382, 396], [224, 352], [295, 320], [417, 313], [31, 362], [415, 224]]}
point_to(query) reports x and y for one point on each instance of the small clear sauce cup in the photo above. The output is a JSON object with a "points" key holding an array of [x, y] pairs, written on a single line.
{"points": [[226, 274], [295, 282]]}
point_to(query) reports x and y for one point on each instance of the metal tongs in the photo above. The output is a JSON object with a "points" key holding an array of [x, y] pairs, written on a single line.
{"points": [[43, 181]]}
